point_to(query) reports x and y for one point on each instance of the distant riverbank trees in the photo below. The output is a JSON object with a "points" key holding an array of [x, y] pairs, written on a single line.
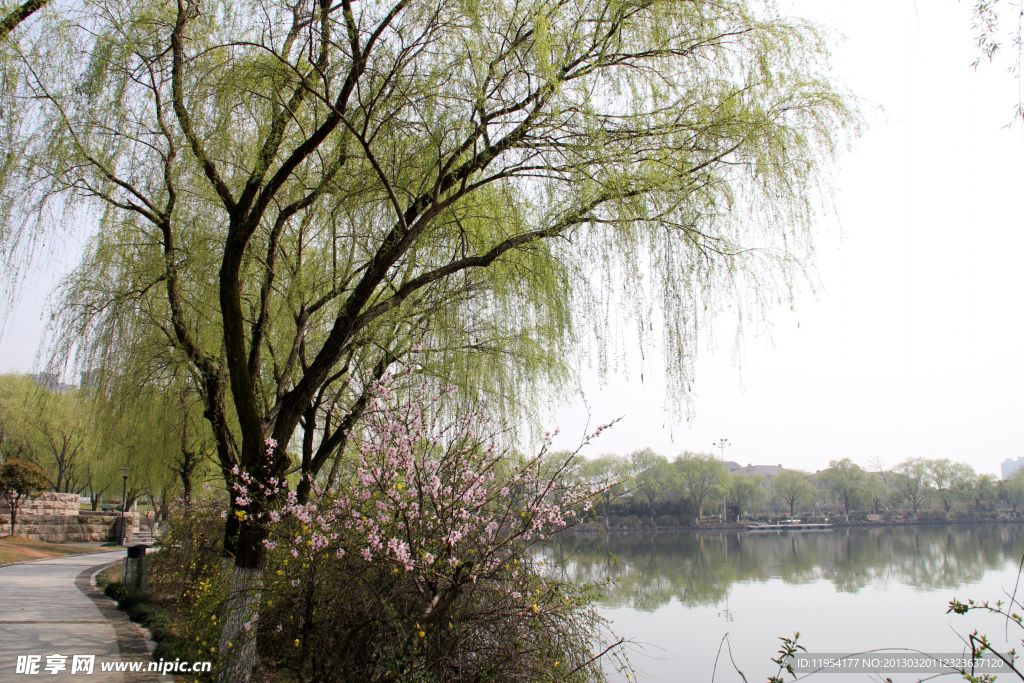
{"points": [[646, 488]]}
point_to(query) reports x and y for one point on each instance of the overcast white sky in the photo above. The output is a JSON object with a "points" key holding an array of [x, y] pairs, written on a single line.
{"points": [[913, 347]]}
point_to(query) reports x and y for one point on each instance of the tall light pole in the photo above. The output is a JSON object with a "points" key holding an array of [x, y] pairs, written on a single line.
{"points": [[722, 443], [125, 471]]}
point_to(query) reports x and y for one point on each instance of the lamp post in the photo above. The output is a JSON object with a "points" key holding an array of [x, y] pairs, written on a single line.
{"points": [[125, 471], [721, 444]]}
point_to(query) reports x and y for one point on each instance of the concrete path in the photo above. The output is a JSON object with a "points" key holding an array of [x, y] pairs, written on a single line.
{"points": [[49, 607]]}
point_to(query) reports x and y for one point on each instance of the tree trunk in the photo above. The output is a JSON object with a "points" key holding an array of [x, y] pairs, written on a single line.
{"points": [[242, 609], [307, 630], [238, 655], [19, 15], [188, 465]]}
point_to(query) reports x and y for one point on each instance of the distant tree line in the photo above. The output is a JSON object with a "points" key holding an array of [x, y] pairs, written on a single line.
{"points": [[649, 489], [79, 438]]}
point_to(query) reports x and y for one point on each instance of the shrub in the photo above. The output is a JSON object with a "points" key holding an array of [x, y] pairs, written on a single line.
{"points": [[190, 575], [140, 608], [417, 568], [667, 520]]}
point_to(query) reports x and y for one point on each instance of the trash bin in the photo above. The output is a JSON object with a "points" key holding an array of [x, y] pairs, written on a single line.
{"points": [[135, 566]]}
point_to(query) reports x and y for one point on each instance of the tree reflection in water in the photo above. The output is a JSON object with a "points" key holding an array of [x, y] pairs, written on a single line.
{"points": [[647, 571]]}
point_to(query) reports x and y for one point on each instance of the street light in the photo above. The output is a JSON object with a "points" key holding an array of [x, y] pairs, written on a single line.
{"points": [[722, 443], [125, 471]]}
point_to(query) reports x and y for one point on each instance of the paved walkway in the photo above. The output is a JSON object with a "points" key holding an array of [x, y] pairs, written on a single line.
{"points": [[49, 607]]}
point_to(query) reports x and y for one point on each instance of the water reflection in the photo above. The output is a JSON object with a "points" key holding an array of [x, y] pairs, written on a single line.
{"points": [[649, 570]]}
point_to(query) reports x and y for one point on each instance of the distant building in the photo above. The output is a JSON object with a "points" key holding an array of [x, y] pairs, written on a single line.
{"points": [[768, 471], [51, 381], [1008, 467], [47, 380], [90, 379]]}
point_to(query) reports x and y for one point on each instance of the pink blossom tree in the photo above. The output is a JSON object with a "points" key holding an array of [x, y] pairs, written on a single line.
{"points": [[428, 540]]}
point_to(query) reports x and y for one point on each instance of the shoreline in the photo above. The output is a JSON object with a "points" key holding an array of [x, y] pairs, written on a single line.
{"points": [[743, 526]]}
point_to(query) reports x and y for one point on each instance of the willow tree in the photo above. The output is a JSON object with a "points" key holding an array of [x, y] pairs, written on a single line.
{"points": [[792, 486], [847, 481], [155, 428], [951, 481], [52, 429], [700, 477], [297, 196], [911, 479]]}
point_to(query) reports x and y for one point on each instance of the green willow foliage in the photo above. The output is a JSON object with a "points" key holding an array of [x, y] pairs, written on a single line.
{"points": [[679, 141], [292, 197]]}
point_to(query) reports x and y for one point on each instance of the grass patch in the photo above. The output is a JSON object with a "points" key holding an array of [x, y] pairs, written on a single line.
{"points": [[18, 549], [111, 574]]}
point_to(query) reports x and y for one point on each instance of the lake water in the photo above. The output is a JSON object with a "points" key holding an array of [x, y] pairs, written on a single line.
{"points": [[677, 594]]}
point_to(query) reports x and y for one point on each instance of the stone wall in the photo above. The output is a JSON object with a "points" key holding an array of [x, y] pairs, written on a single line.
{"points": [[57, 518], [46, 504]]}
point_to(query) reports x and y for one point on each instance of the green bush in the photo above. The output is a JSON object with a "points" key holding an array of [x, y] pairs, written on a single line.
{"points": [[128, 596], [140, 608]]}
